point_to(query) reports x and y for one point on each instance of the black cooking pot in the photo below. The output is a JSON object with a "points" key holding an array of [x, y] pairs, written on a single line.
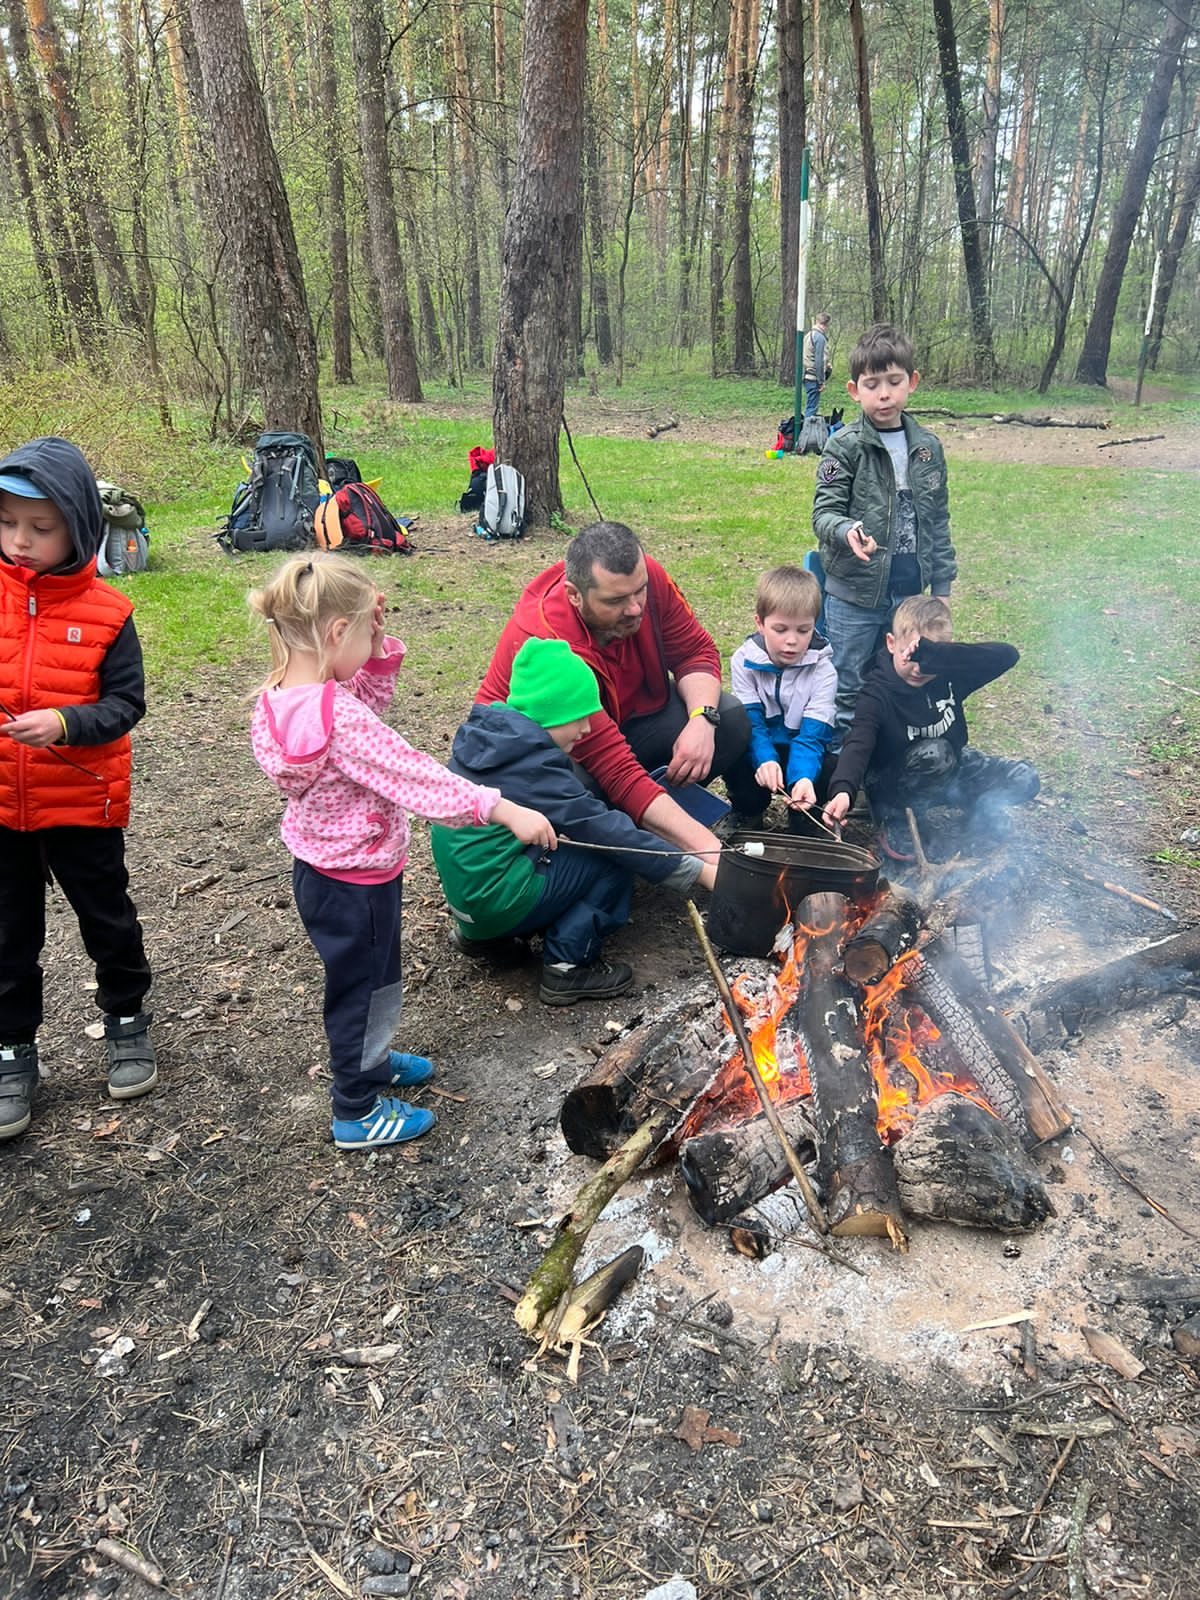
{"points": [[754, 895]]}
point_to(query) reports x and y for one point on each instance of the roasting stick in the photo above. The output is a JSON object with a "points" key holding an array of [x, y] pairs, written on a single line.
{"points": [[739, 1029], [752, 847]]}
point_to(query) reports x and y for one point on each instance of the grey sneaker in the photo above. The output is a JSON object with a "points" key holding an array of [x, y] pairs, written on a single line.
{"points": [[132, 1069], [18, 1081], [599, 980]]}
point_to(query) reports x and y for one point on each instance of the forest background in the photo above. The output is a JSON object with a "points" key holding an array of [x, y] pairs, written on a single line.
{"points": [[216, 204]]}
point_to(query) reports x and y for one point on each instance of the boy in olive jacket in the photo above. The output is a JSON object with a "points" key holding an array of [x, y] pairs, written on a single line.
{"points": [[880, 511]]}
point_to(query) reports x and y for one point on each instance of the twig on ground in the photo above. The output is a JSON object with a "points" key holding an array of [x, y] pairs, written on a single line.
{"points": [[1182, 687], [1035, 1568], [1155, 1205], [1040, 1503], [1076, 1576], [122, 1556], [1141, 438]]}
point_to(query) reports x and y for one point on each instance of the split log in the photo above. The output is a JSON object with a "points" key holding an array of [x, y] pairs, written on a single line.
{"points": [[666, 1063], [992, 1051], [1066, 1009], [730, 1168], [960, 1164], [855, 1168], [885, 934], [656, 428], [1177, 1294]]}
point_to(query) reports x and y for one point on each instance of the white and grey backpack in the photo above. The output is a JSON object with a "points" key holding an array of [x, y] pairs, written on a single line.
{"points": [[124, 544], [503, 504]]}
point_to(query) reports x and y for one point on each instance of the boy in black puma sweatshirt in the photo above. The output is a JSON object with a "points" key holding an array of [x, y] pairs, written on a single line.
{"points": [[908, 742]]}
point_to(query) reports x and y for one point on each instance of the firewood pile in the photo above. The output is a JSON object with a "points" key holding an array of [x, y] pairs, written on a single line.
{"points": [[899, 1085]]}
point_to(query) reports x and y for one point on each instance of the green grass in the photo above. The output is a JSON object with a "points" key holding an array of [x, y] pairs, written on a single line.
{"points": [[1091, 572]]}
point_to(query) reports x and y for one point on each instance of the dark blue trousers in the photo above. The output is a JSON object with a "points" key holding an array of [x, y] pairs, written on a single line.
{"points": [[585, 897], [355, 929]]}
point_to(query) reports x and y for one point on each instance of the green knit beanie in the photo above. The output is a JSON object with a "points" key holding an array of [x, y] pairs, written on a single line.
{"points": [[551, 685]]}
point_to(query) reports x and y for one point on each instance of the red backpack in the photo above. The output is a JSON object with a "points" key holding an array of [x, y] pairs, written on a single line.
{"points": [[367, 524]]}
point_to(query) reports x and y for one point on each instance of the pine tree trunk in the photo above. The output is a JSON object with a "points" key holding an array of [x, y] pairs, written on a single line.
{"points": [[387, 262], [984, 363], [990, 130], [24, 186], [271, 310], [789, 28], [1092, 366], [1181, 232], [541, 237], [598, 255], [880, 300], [468, 186], [716, 247]]}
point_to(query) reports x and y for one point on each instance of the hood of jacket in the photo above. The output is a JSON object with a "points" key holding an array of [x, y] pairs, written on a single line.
{"points": [[60, 471], [300, 722], [495, 739], [756, 658]]}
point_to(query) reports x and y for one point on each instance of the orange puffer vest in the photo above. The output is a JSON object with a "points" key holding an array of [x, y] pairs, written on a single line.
{"points": [[55, 630]]}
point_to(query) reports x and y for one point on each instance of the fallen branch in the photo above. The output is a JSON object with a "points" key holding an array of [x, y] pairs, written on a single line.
{"points": [[1182, 687], [1009, 416], [656, 428], [551, 1278], [1141, 438], [122, 1556], [1077, 1586]]}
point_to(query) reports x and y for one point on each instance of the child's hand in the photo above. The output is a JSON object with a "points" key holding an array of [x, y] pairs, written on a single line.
{"points": [[835, 810], [803, 795], [37, 728], [769, 776], [378, 630], [861, 544], [525, 824]]}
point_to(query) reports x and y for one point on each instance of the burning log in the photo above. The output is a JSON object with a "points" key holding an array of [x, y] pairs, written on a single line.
{"points": [[855, 1168], [667, 1063], [730, 1168], [960, 1164], [990, 1049], [1067, 1008], [891, 928]]}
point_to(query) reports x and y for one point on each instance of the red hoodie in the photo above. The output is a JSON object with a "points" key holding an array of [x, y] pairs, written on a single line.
{"points": [[634, 674]]}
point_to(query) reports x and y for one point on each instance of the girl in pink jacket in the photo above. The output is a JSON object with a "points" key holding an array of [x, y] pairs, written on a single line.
{"points": [[350, 780]]}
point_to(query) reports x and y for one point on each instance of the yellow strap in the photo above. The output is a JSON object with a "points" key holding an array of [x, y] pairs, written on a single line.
{"points": [[697, 712], [65, 737]]}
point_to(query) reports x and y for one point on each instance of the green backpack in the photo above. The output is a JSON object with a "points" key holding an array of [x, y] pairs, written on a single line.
{"points": [[125, 543]]}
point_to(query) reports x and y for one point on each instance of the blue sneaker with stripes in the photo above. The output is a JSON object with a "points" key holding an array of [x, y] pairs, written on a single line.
{"points": [[388, 1122], [408, 1072]]}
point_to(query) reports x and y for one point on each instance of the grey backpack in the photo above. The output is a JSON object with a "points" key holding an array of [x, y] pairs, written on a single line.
{"points": [[813, 436], [125, 543], [503, 504]]}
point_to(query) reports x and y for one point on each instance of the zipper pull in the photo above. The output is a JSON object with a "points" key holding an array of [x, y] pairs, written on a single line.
{"points": [[33, 605]]}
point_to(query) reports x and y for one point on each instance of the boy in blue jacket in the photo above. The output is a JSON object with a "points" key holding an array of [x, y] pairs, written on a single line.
{"points": [[499, 890], [784, 676]]}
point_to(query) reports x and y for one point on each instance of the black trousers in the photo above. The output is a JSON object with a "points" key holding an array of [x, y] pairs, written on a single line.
{"points": [[652, 738], [88, 864]]}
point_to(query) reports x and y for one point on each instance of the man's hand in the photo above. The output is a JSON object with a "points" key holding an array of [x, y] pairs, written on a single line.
{"points": [[803, 795], [835, 810], [769, 776], [38, 728], [861, 544], [692, 753], [529, 826]]}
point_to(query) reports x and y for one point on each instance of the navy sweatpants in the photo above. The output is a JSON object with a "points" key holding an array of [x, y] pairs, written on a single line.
{"points": [[584, 899], [355, 929]]}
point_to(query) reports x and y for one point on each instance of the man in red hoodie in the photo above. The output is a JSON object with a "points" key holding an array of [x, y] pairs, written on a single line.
{"points": [[658, 670]]}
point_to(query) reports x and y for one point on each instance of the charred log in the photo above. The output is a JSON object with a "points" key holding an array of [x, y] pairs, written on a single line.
{"points": [[855, 1168], [960, 1164], [764, 1226], [665, 1063], [990, 1049], [1068, 1008], [890, 929], [730, 1168]]}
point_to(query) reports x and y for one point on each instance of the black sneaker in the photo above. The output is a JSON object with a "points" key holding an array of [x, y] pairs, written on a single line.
{"points": [[507, 951], [599, 980], [18, 1081], [132, 1068]]}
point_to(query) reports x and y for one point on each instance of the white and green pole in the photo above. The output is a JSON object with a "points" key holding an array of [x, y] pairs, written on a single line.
{"points": [[801, 296]]}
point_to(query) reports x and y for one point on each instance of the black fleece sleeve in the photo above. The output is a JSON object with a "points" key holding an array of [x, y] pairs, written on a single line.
{"points": [[968, 666], [122, 701], [859, 745]]}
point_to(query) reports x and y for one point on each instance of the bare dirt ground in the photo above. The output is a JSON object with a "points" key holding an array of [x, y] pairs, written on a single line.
{"points": [[276, 1370]]}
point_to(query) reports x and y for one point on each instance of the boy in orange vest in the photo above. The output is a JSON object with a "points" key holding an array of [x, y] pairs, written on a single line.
{"points": [[71, 687]]}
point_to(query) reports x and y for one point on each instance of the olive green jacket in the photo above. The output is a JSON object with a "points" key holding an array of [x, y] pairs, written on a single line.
{"points": [[855, 483]]}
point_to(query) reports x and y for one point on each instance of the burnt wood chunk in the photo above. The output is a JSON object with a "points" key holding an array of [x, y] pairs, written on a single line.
{"points": [[960, 1164], [764, 1226], [885, 934], [1069, 1007], [667, 1062], [854, 1167], [730, 1168], [992, 1052]]}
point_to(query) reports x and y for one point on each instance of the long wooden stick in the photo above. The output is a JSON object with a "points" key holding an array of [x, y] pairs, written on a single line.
{"points": [[820, 1223]]}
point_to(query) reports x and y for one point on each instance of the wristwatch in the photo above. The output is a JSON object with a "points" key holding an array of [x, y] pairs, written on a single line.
{"points": [[709, 713]]}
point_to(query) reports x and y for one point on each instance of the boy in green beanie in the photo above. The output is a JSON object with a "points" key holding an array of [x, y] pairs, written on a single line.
{"points": [[499, 890]]}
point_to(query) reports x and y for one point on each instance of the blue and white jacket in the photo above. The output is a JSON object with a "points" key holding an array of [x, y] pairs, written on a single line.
{"points": [[791, 708]]}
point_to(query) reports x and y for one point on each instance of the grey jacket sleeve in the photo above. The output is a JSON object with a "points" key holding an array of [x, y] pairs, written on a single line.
{"points": [[943, 568], [122, 701], [831, 496]]}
